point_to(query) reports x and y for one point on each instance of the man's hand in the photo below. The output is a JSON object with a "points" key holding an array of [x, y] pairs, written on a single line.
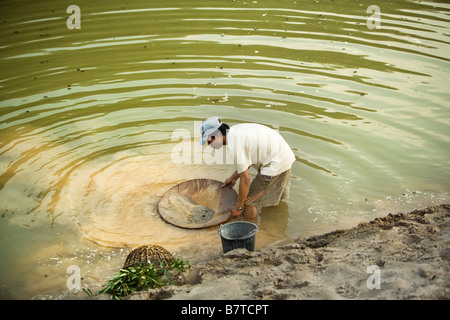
{"points": [[235, 212], [230, 181]]}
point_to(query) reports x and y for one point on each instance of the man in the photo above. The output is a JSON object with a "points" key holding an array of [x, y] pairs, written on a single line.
{"points": [[250, 144]]}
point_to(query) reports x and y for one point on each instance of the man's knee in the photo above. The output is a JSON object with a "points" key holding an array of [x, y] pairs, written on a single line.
{"points": [[250, 212]]}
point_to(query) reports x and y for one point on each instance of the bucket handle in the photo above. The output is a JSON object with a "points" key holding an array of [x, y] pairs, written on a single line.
{"points": [[250, 234]]}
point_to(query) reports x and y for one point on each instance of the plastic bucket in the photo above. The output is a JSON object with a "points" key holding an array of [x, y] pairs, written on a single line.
{"points": [[239, 234]]}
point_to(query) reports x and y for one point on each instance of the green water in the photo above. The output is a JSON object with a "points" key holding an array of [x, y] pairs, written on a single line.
{"points": [[87, 121]]}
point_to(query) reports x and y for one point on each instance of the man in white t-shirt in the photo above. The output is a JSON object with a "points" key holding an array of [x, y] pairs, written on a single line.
{"points": [[252, 145]]}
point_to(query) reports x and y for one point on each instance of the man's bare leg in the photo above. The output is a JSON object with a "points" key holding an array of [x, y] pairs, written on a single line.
{"points": [[250, 212]]}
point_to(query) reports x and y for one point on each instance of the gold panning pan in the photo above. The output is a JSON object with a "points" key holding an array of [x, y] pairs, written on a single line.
{"points": [[197, 203]]}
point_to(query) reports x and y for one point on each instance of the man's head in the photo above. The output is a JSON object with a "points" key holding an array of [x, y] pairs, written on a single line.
{"points": [[214, 132]]}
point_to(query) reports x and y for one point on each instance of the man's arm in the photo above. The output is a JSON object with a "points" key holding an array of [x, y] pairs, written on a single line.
{"points": [[244, 187], [231, 180]]}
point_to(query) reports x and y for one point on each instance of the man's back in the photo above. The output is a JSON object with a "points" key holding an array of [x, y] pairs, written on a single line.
{"points": [[251, 144]]}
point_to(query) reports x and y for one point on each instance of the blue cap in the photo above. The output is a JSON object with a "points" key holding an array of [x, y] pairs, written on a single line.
{"points": [[209, 126]]}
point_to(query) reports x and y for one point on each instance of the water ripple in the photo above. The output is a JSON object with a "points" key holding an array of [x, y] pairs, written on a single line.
{"points": [[87, 116]]}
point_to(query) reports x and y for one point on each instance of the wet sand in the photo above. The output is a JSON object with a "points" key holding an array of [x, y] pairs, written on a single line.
{"points": [[400, 256]]}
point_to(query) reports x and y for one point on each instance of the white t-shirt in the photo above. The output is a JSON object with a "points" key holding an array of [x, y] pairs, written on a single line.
{"points": [[251, 144]]}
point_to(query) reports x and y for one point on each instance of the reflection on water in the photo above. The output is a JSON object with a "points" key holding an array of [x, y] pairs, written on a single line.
{"points": [[87, 119]]}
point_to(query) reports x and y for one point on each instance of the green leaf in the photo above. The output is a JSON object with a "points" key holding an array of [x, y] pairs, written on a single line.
{"points": [[140, 277], [88, 292]]}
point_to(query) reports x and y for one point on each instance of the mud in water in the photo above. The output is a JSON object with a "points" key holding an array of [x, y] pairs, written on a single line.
{"points": [[190, 210]]}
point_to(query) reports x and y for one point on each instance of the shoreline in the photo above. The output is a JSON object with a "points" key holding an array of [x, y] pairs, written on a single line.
{"points": [[399, 256]]}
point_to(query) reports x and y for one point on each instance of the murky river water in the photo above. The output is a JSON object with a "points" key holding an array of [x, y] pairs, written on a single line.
{"points": [[88, 116]]}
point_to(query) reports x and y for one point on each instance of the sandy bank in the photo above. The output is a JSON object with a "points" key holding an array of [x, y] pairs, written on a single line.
{"points": [[408, 253]]}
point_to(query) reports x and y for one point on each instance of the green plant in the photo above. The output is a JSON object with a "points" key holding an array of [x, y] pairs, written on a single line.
{"points": [[141, 277]]}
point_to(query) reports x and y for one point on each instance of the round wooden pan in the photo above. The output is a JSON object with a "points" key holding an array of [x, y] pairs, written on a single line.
{"points": [[197, 203]]}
